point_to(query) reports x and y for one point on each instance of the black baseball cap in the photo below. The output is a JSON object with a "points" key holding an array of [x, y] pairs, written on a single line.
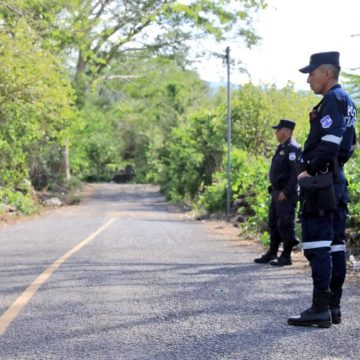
{"points": [[284, 123], [330, 57]]}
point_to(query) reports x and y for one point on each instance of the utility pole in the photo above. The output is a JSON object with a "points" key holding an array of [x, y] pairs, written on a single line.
{"points": [[228, 202]]}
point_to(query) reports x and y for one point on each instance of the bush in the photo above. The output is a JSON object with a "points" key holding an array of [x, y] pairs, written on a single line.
{"points": [[23, 203], [249, 182], [352, 171], [213, 199]]}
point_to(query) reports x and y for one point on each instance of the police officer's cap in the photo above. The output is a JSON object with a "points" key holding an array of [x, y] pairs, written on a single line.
{"points": [[284, 123], [331, 57]]}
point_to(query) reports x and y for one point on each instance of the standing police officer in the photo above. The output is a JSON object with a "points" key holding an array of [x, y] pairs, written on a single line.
{"points": [[329, 145], [283, 191]]}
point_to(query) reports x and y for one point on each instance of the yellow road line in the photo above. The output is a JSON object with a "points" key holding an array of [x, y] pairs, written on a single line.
{"points": [[10, 314]]}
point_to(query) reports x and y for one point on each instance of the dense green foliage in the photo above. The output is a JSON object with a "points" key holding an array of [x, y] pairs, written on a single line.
{"points": [[128, 123], [83, 83], [194, 163], [35, 110], [55, 55]]}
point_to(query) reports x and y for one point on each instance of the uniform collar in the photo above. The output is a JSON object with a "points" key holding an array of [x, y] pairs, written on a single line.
{"points": [[287, 142], [317, 107], [337, 86]]}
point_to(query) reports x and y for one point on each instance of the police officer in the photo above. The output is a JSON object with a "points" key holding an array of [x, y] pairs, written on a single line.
{"points": [[329, 145], [283, 191]]}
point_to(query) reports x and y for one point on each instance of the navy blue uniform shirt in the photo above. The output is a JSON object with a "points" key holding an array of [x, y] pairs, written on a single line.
{"points": [[283, 175], [332, 132]]}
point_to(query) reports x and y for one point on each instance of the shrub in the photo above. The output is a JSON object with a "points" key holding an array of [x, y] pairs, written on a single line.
{"points": [[249, 182], [23, 203]]}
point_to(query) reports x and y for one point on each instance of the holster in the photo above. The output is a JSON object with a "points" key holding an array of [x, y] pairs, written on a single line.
{"points": [[318, 194]]}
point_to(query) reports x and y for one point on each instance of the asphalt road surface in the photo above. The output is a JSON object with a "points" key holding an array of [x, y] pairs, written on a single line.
{"points": [[121, 276]]}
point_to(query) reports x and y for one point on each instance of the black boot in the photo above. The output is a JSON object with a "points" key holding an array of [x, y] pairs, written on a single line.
{"points": [[335, 297], [267, 257], [285, 257], [318, 315], [335, 315], [282, 260]]}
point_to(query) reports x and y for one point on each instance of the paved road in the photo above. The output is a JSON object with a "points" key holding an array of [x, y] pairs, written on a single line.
{"points": [[147, 283]]}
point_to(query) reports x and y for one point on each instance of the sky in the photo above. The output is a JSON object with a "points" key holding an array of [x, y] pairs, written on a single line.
{"points": [[292, 30]]}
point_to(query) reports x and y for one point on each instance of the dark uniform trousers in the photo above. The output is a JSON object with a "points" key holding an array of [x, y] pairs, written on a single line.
{"points": [[281, 220], [283, 178], [323, 239]]}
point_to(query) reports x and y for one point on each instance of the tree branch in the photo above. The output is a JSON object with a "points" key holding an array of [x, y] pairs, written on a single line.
{"points": [[12, 8], [103, 4], [122, 77]]}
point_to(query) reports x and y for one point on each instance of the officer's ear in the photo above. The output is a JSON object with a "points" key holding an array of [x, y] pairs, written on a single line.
{"points": [[329, 71]]}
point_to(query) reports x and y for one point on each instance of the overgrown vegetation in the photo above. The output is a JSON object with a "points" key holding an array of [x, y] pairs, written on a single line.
{"points": [[64, 67], [84, 91]]}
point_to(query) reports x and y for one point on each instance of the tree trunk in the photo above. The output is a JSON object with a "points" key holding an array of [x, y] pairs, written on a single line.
{"points": [[64, 168], [80, 69], [66, 160]]}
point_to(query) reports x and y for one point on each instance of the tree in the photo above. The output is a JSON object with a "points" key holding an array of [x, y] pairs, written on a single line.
{"points": [[103, 31], [98, 32], [137, 116], [36, 103]]}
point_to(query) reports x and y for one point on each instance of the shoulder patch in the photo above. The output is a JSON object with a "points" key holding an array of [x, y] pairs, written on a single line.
{"points": [[326, 122], [292, 156]]}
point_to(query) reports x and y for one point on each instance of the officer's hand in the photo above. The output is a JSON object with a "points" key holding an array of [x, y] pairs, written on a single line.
{"points": [[303, 174], [281, 196]]}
